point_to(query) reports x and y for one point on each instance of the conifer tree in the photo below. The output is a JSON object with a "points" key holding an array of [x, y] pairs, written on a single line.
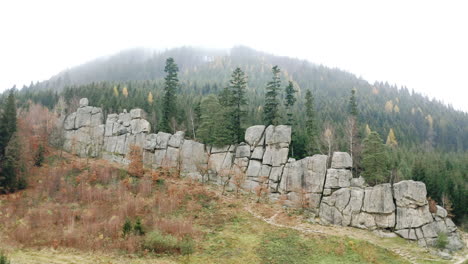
{"points": [[290, 100], [374, 159], [171, 83], [271, 114], [236, 101], [311, 125], [7, 123], [213, 128], [352, 103]]}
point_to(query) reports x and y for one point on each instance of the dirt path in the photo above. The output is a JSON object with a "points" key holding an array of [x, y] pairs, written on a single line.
{"points": [[409, 251]]}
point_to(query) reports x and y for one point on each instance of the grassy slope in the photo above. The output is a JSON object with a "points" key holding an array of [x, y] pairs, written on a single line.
{"points": [[235, 235]]}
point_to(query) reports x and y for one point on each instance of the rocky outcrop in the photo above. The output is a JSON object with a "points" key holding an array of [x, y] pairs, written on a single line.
{"points": [[331, 193]]}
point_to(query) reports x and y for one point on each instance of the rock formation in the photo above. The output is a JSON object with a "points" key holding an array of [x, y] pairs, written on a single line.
{"points": [[331, 193]]}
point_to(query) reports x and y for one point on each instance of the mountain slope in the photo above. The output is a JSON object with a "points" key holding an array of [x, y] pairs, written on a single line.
{"points": [[416, 119]]}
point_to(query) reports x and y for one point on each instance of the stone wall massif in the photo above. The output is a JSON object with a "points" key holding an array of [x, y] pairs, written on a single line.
{"points": [[331, 193]]}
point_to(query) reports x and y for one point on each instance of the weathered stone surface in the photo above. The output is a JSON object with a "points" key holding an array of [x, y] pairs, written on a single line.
{"points": [[96, 117], [254, 135], [314, 168], [150, 143], [455, 242], [277, 134], [258, 153], [254, 168], [363, 220], [410, 194], [441, 212], [412, 217], [407, 234], [120, 144], [330, 215], [140, 126], [217, 149], [159, 159], [83, 117], [379, 199], [243, 150], [275, 174], [137, 113], [70, 121], [172, 157], [275, 156], [338, 178], [84, 102], [384, 220], [341, 160], [177, 139], [358, 182], [193, 157], [451, 227]]}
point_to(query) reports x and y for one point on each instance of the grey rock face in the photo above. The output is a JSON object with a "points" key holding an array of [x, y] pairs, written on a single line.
{"points": [[441, 212], [254, 135], [140, 126], [278, 134], [412, 217], [84, 102], [379, 199], [193, 156], [243, 150], [137, 113], [341, 160], [358, 182], [177, 139], [410, 194], [338, 178], [70, 121]]}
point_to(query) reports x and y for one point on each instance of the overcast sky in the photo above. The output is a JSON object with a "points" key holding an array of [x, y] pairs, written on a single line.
{"points": [[420, 44]]}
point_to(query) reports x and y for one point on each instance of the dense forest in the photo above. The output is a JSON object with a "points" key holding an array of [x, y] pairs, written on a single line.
{"points": [[329, 110]]}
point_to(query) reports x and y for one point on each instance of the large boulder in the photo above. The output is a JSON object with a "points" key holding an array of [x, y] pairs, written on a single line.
{"points": [[254, 135], [341, 160], [275, 156], [278, 135], [84, 102], [177, 139], [407, 217], [70, 121], [338, 178], [137, 113], [314, 170], [243, 150], [379, 199], [140, 126], [193, 158], [410, 194]]}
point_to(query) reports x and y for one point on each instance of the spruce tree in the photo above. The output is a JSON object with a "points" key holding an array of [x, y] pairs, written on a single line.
{"points": [[271, 114], [290, 100], [236, 101], [374, 159], [352, 103], [213, 128], [7, 123], [311, 125], [171, 83]]}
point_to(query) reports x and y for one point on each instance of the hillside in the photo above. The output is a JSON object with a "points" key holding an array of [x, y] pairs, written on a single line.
{"points": [[432, 138], [416, 120], [80, 206]]}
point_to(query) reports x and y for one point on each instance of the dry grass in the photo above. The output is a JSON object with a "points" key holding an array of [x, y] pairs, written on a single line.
{"points": [[84, 206]]}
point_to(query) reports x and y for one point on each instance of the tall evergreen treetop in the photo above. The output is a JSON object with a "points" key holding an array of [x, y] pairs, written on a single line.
{"points": [[311, 124], [7, 123], [171, 83], [271, 114], [236, 101], [290, 100], [352, 103]]}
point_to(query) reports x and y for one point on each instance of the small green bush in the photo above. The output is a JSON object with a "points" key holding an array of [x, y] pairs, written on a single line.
{"points": [[157, 242], [187, 246], [127, 228], [3, 259], [442, 240], [138, 228]]}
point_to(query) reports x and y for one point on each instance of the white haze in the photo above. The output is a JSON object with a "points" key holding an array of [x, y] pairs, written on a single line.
{"points": [[420, 44]]}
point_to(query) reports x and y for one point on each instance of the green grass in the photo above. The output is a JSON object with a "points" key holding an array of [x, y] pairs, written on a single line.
{"points": [[244, 239]]}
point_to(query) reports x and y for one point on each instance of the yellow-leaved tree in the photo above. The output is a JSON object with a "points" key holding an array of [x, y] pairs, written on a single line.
{"points": [[391, 139], [125, 91], [150, 98]]}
